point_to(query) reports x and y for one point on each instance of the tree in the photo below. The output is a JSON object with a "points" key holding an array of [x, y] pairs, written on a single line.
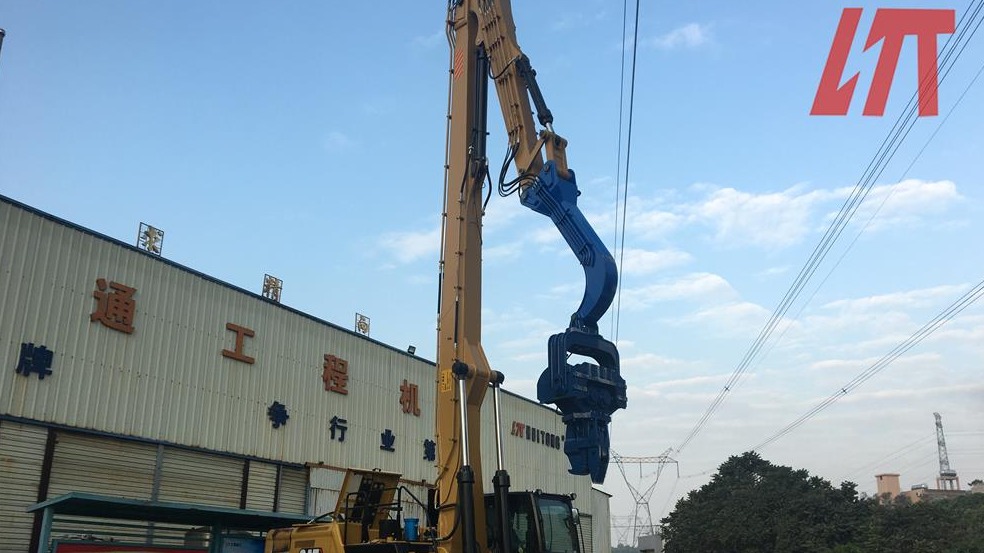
{"points": [[950, 525], [976, 482], [753, 506]]}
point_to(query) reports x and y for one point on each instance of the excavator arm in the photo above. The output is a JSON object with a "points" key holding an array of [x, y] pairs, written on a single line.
{"points": [[484, 42], [586, 393], [482, 35]]}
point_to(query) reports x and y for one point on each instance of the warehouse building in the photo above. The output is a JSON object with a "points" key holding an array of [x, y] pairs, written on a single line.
{"points": [[142, 402]]}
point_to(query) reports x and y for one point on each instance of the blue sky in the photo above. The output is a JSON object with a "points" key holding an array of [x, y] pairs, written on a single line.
{"points": [[305, 140]]}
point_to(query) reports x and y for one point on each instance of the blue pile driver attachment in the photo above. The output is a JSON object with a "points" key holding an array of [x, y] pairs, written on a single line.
{"points": [[586, 393]]}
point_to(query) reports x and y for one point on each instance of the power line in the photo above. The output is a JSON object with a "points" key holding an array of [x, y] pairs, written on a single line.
{"points": [[873, 171], [628, 155], [877, 210], [900, 452], [926, 330], [618, 148]]}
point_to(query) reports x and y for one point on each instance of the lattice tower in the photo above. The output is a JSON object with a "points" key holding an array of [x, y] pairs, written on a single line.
{"points": [[641, 522], [947, 480]]}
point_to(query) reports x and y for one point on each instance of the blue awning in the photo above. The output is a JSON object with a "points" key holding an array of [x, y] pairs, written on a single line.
{"points": [[102, 506]]}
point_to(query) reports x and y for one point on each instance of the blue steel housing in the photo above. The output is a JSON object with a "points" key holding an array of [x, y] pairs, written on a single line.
{"points": [[586, 393]]}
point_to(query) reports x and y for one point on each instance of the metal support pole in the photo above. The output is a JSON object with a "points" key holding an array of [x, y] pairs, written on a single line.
{"points": [[45, 539]]}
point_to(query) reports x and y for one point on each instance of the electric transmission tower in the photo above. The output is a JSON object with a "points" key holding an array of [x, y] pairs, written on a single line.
{"points": [[947, 480], [641, 522]]}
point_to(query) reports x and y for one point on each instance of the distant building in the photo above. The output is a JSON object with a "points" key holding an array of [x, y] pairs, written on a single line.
{"points": [[889, 489], [924, 493], [651, 544], [888, 483]]}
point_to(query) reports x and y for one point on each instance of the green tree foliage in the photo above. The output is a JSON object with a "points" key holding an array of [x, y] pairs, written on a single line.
{"points": [[942, 526], [753, 506]]}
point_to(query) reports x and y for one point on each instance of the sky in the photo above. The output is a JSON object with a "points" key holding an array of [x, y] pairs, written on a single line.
{"points": [[306, 140]]}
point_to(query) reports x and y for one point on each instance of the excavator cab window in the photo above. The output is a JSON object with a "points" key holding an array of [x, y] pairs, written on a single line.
{"points": [[558, 525], [537, 524], [522, 524]]}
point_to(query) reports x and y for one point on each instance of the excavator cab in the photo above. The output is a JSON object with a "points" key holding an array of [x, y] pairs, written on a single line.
{"points": [[538, 523]]}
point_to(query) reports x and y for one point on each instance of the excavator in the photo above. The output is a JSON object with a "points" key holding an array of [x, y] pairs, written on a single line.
{"points": [[461, 518]]}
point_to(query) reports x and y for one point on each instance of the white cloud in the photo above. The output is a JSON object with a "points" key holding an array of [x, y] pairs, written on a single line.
{"points": [[407, 247], [905, 202], [695, 286], [565, 290], [651, 362], [906, 393], [502, 251], [642, 262], [653, 223], [831, 365], [691, 35], [740, 317], [773, 220], [773, 271], [568, 20], [925, 297], [546, 236], [702, 380], [427, 42]]}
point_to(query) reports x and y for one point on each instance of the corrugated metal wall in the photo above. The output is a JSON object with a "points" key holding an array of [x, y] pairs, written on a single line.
{"points": [[101, 465], [293, 490], [21, 456], [168, 381], [195, 477], [261, 485], [587, 534], [601, 521]]}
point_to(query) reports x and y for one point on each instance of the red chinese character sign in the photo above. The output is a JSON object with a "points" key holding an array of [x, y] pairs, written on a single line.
{"points": [[335, 375], [408, 398], [115, 306], [241, 334]]}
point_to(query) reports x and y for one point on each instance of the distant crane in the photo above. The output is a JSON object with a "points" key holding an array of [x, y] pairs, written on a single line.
{"points": [[947, 480], [642, 518]]}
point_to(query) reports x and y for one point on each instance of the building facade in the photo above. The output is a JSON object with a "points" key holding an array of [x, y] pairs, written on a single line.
{"points": [[127, 375]]}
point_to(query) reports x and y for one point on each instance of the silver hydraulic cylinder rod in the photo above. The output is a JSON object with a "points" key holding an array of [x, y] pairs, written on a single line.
{"points": [[463, 415], [497, 379]]}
